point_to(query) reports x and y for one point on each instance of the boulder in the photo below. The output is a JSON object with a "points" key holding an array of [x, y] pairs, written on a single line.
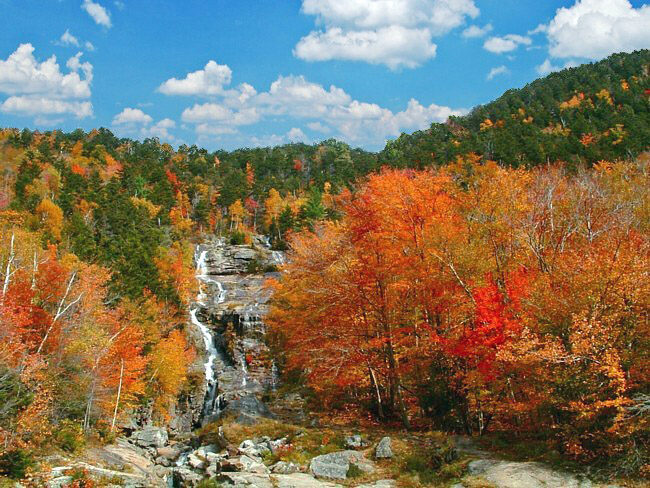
{"points": [[244, 464], [507, 474], [169, 453], [283, 467], [196, 462], [254, 450], [335, 465], [380, 484], [150, 437], [245, 480], [354, 442], [186, 477], [383, 450], [300, 480]]}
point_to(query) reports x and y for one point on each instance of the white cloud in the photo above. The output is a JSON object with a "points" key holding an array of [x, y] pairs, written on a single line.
{"points": [[395, 46], [67, 39], [297, 135], [41, 88], [119, 5], [216, 113], [160, 130], [506, 43], [21, 73], [98, 13], [548, 67], [325, 110], [30, 105], [133, 122], [597, 28], [207, 81], [300, 97], [318, 127], [89, 46], [496, 71], [474, 31], [397, 33], [132, 116]]}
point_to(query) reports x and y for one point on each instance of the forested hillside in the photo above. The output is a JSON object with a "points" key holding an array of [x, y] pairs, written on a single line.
{"points": [[459, 287], [594, 112]]}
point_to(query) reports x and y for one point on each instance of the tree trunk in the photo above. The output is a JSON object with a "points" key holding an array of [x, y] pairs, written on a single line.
{"points": [[119, 392]]}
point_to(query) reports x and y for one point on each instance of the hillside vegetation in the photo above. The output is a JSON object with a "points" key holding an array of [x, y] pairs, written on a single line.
{"points": [[479, 292]]}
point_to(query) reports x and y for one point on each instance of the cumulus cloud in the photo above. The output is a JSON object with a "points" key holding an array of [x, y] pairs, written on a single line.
{"points": [[474, 31], [395, 46], [397, 33], [506, 43], [21, 73], [496, 71], [297, 135], [97, 12], [35, 105], [597, 28], [133, 122], [548, 67], [322, 109], [132, 116], [41, 88], [207, 81]]}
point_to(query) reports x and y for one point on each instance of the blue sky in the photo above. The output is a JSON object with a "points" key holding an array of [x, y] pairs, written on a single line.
{"points": [[226, 74]]}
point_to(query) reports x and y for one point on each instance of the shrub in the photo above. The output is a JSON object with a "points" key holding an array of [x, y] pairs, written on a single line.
{"points": [[237, 238], [209, 483], [354, 471], [69, 436], [15, 464]]}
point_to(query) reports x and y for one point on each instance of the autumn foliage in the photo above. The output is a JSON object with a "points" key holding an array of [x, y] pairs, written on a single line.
{"points": [[475, 297]]}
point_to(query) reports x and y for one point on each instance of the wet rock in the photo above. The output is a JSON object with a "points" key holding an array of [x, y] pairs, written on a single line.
{"points": [[150, 437], [336, 464], [383, 450]]}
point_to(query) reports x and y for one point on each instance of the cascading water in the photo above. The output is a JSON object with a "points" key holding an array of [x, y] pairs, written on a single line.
{"points": [[212, 401]]}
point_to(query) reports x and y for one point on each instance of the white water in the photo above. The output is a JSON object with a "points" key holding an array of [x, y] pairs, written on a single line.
{"points": [[211, 400], [244, 368]]}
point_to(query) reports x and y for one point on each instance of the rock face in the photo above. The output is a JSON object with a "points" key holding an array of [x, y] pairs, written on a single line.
{"points": [[504, 474], [228, 318], [337, 464], [150, 437]]}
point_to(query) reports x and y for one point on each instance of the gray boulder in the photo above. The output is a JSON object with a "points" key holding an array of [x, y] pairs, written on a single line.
{"points": [[245, 480], [354, 442], [383, 450], [186, 477], [150, 437], [283, 467], [506, 474], [336, 464], [300, 480]]}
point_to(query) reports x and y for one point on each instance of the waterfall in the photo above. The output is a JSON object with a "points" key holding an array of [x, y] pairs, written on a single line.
{"points": [[244, 368], [213, 402], [274, 376]]}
